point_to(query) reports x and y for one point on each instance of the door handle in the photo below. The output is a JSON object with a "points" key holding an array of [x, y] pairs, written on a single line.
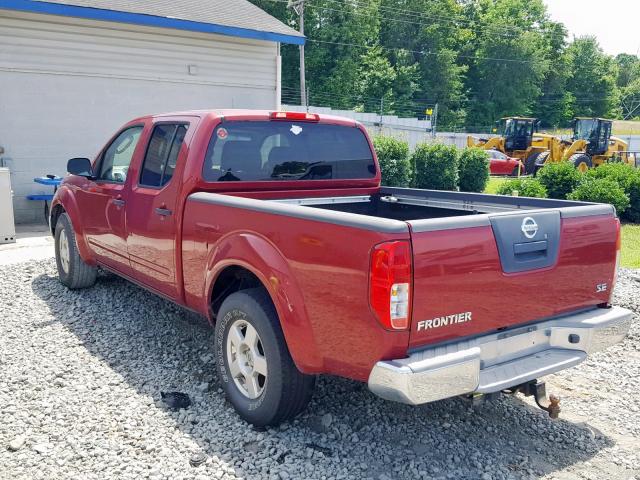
{"points": [[530, 247], [165, 212], [117, 202]]}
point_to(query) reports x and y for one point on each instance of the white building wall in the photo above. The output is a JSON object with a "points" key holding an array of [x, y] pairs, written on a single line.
{"points": [[67, 84]]}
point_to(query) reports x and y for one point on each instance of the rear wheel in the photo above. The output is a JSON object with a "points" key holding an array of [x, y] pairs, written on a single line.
{"points": [[256, 370], [581, 161], [72, 270]]}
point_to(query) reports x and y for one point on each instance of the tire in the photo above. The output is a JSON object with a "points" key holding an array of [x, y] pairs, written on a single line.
{"points": [[541, 159], [260, 399], [72, 270], [514, 173], [581, 161], [530, 163]]}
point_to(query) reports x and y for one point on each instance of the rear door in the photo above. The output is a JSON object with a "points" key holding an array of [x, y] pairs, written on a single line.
{"points": [[103, 201], [508, 269], [152, 206]]}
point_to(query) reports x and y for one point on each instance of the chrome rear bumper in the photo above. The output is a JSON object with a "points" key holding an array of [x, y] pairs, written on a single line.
{"points": [[500, 360]]}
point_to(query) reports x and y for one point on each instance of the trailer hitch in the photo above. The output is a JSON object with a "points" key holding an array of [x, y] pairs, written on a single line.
{"points": [[538, 390]]}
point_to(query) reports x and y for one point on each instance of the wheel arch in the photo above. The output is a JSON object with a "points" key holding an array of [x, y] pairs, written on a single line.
{"points": [[246, 260], [64, 202]]}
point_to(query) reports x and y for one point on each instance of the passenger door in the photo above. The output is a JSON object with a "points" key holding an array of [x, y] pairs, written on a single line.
{"points": [[151, 214], [103, 201]]}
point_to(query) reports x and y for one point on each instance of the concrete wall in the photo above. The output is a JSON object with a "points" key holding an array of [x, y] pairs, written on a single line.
{"points": [[67, 84]]}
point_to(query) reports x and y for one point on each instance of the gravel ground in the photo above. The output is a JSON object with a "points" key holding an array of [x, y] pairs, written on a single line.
{"points": [[82, 376]]}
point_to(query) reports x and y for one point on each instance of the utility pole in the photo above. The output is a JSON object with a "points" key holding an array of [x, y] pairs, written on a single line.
{"points": [[434, 121], [298, 7]]}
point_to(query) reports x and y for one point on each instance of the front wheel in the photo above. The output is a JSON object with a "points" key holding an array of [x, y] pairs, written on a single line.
{"points": [[72, 270], [541, 160], [581, 161], [530, 163], [257, 373]]}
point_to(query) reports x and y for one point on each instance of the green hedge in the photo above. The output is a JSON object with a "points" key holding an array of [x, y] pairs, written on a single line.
{"points": [[628, 178], [601, 190], [436, 166], [473, 170], [559, 179], [393, 155], [526, 187]]}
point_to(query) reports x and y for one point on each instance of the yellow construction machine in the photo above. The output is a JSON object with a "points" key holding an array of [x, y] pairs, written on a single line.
{"points": [[518, 138], [591, 145]]}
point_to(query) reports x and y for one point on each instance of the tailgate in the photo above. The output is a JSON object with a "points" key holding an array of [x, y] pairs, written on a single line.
{"points": [[489, 272]]}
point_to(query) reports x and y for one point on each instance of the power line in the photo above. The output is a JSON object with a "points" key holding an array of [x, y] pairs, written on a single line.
{"points": [[436, 54], [515, 31]]}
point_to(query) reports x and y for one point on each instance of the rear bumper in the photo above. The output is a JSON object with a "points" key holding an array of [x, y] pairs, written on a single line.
{"points": [[500, 360]]}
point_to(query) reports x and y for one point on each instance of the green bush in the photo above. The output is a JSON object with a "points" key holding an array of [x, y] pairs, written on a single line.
{"points": [[618, 172], [628, 178], [436, 166], [526, 187], [393, 155], [601, 190], [473, 170], [559, 179], [632, 189]]}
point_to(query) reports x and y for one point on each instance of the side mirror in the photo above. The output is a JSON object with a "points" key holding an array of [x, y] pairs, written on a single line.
{"points": [[80, 167]]}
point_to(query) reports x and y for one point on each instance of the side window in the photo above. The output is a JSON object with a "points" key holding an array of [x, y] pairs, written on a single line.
{"points": [[162, 154], [116, 159]]}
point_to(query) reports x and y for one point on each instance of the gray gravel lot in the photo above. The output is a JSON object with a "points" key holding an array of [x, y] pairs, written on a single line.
{"points": [[81, 376]]}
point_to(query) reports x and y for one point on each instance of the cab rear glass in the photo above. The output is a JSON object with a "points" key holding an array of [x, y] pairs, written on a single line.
{"points": [[287, 150]]}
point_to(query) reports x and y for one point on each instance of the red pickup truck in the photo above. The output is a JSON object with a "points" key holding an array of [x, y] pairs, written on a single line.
{"points": [[275, 227]]}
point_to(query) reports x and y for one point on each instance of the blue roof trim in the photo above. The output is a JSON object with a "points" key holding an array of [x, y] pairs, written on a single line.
{"points": [[147, 20]]}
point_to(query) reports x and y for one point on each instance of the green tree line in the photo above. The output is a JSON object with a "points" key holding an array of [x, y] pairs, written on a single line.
{"points": [[478, 59]]}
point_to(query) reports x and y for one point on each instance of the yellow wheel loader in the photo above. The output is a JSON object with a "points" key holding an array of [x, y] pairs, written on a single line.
{"points": [[591, 145], [518, 138]]}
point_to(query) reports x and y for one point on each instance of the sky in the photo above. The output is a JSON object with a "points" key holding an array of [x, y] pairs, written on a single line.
{"points": [[615, 23]]}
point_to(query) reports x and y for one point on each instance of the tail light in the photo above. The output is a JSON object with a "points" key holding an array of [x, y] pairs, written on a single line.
{"points": [[618, 250], [390, 284], [297, 116]]}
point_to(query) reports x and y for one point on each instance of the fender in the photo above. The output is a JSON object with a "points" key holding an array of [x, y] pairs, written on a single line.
{"points": [[258, 255], [65, 198]]}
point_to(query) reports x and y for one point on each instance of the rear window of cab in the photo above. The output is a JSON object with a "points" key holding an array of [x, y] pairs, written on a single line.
{"points": [[287, 150]]}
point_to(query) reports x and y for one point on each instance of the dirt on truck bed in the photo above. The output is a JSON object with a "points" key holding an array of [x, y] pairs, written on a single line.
{"points": [[83, 372]]}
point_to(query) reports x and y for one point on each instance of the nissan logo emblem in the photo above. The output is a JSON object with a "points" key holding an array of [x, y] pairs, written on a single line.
{"points": [[529, 227]]}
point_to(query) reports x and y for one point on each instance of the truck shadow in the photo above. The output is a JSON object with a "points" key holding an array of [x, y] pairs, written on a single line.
{"points": [[157, 346]]}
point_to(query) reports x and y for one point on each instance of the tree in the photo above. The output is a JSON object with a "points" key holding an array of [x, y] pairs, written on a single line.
{"points": [[553, 106], [629, 85], [428, 43], [628, 69], [478, 59], [509, 61], [593, 78]]}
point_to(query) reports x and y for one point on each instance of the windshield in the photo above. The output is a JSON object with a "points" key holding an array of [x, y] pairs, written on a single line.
{"points": [[282, 150], [511, 127], [584, 129]]}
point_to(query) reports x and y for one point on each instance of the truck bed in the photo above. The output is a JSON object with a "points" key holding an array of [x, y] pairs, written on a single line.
{"points": [[412, 205], [470, 258]]}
